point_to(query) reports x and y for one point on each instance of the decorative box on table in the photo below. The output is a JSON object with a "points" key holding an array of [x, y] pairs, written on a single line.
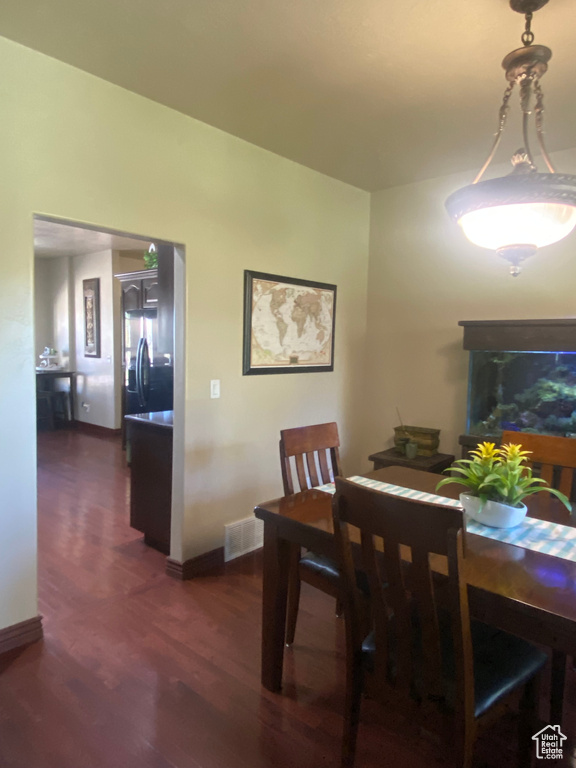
{"points": [[428, 439]]}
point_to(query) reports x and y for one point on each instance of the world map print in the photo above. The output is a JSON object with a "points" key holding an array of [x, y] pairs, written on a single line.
{"points": [[291, 325]]}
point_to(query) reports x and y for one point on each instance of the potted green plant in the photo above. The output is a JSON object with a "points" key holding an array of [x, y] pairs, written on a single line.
{"points": [[151, 257], [497, 481]]}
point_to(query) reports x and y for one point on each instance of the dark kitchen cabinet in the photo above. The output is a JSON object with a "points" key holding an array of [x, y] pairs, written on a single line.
{"points": [[150, 436], [140, 290], [150, 292], [165, 304]]}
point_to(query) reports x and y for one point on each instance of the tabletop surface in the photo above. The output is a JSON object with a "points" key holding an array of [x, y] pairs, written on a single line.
{"points": [[54, 372], [158, 418], [545, 582], [391, 456]]}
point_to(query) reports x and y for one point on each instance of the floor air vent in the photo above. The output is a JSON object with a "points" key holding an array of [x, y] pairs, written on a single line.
{"points": [[242, 537]]}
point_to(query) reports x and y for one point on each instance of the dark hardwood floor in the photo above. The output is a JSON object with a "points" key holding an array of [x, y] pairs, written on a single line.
{"points": [[138, 670]]}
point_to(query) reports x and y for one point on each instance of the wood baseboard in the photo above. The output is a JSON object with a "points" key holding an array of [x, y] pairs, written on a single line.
{"points": [[96, 430], [208, 563], [23, 633]]}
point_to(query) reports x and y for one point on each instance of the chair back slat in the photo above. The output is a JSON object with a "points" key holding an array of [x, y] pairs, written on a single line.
{"points": [[460, 620], [312, 473], [403, 602], [335, 458], [301, 472], [356, 631], [309, 448], [380, 610], [324, 467], [431, 646], [547, 473], [400, 638], [552, 453], [566, 481], [286, 471]]}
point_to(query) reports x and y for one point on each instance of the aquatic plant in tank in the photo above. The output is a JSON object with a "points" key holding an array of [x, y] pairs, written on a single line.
{"points": [[524, 391]]}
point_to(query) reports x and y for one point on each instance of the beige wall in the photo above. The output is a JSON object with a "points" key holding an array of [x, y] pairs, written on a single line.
{"points": [[130, 261], [79, 148], [43, 307], [424, 277], [95, 380], [54, 310], [62, 309]]}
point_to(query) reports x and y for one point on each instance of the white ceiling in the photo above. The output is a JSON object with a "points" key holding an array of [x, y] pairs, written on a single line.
{"points": [[52, 239], [374, 92]]}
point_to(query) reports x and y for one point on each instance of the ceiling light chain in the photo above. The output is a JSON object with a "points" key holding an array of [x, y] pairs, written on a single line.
{"points": [[526, 81], [539, 121], [528, 36], [502, 117]]}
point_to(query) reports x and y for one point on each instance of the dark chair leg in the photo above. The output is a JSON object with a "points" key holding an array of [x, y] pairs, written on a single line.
{"points": [[354, 685], [339, 607], [293, 596], [528, 722], [557, 687], [463, 746], [45, 409]]}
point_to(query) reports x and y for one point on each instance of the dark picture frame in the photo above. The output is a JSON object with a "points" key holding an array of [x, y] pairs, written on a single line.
{"points": [[91, 303], [289, 325]]}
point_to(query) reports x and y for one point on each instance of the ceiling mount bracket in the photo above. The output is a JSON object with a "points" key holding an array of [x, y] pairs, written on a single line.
{"points": [[527, 6], [528, 60]]}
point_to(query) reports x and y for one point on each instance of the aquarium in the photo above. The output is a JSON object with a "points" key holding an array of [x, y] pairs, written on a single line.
{"points": [[524, 391]]}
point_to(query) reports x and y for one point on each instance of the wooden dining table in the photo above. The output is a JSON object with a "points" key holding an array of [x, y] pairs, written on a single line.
{"points": [[518, 590]]}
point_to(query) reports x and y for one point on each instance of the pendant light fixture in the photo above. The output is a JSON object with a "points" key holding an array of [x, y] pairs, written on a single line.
{"points": [[526, 210]]}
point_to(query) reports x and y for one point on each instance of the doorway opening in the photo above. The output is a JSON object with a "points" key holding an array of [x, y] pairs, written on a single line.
{"points": [[99, 359]]}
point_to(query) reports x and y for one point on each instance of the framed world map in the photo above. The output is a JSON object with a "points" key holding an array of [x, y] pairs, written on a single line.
{"points": [[288, 325]]}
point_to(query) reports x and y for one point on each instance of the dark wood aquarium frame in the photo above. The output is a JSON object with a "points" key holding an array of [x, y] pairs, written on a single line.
{"points": [[520, 335], [516, 336]]}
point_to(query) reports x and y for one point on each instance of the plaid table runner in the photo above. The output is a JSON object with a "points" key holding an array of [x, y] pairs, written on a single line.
{"points": [[539, 535]]}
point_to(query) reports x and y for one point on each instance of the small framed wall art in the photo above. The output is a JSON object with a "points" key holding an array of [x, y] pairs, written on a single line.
{"points": [[91, 292], [288, 325]]}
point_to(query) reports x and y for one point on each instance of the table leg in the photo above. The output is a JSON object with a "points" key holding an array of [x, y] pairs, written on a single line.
{"points": [[72, 396], [276, 566]]}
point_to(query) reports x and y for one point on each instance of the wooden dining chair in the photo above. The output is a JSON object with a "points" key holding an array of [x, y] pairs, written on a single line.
{"points": [[557, 459], [555, 455], [309, 456], [421, 655]]}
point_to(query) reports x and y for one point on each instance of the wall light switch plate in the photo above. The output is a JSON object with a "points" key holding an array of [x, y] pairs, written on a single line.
{"points": [[215, 388]]}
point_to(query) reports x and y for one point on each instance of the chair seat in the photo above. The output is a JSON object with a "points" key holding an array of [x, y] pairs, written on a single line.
{"points": [[321, 565], [502, 662], [328, 569]]}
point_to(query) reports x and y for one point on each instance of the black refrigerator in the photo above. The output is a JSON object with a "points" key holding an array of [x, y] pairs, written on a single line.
{"points": [[148, 336], [148, 371]]}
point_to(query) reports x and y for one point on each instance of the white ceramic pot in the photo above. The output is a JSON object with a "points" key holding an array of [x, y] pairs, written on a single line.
{"points": [[493, 513]]}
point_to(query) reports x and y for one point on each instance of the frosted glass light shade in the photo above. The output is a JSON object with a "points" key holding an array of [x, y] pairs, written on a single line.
{"points": [[515, 215], [501, 226]]}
